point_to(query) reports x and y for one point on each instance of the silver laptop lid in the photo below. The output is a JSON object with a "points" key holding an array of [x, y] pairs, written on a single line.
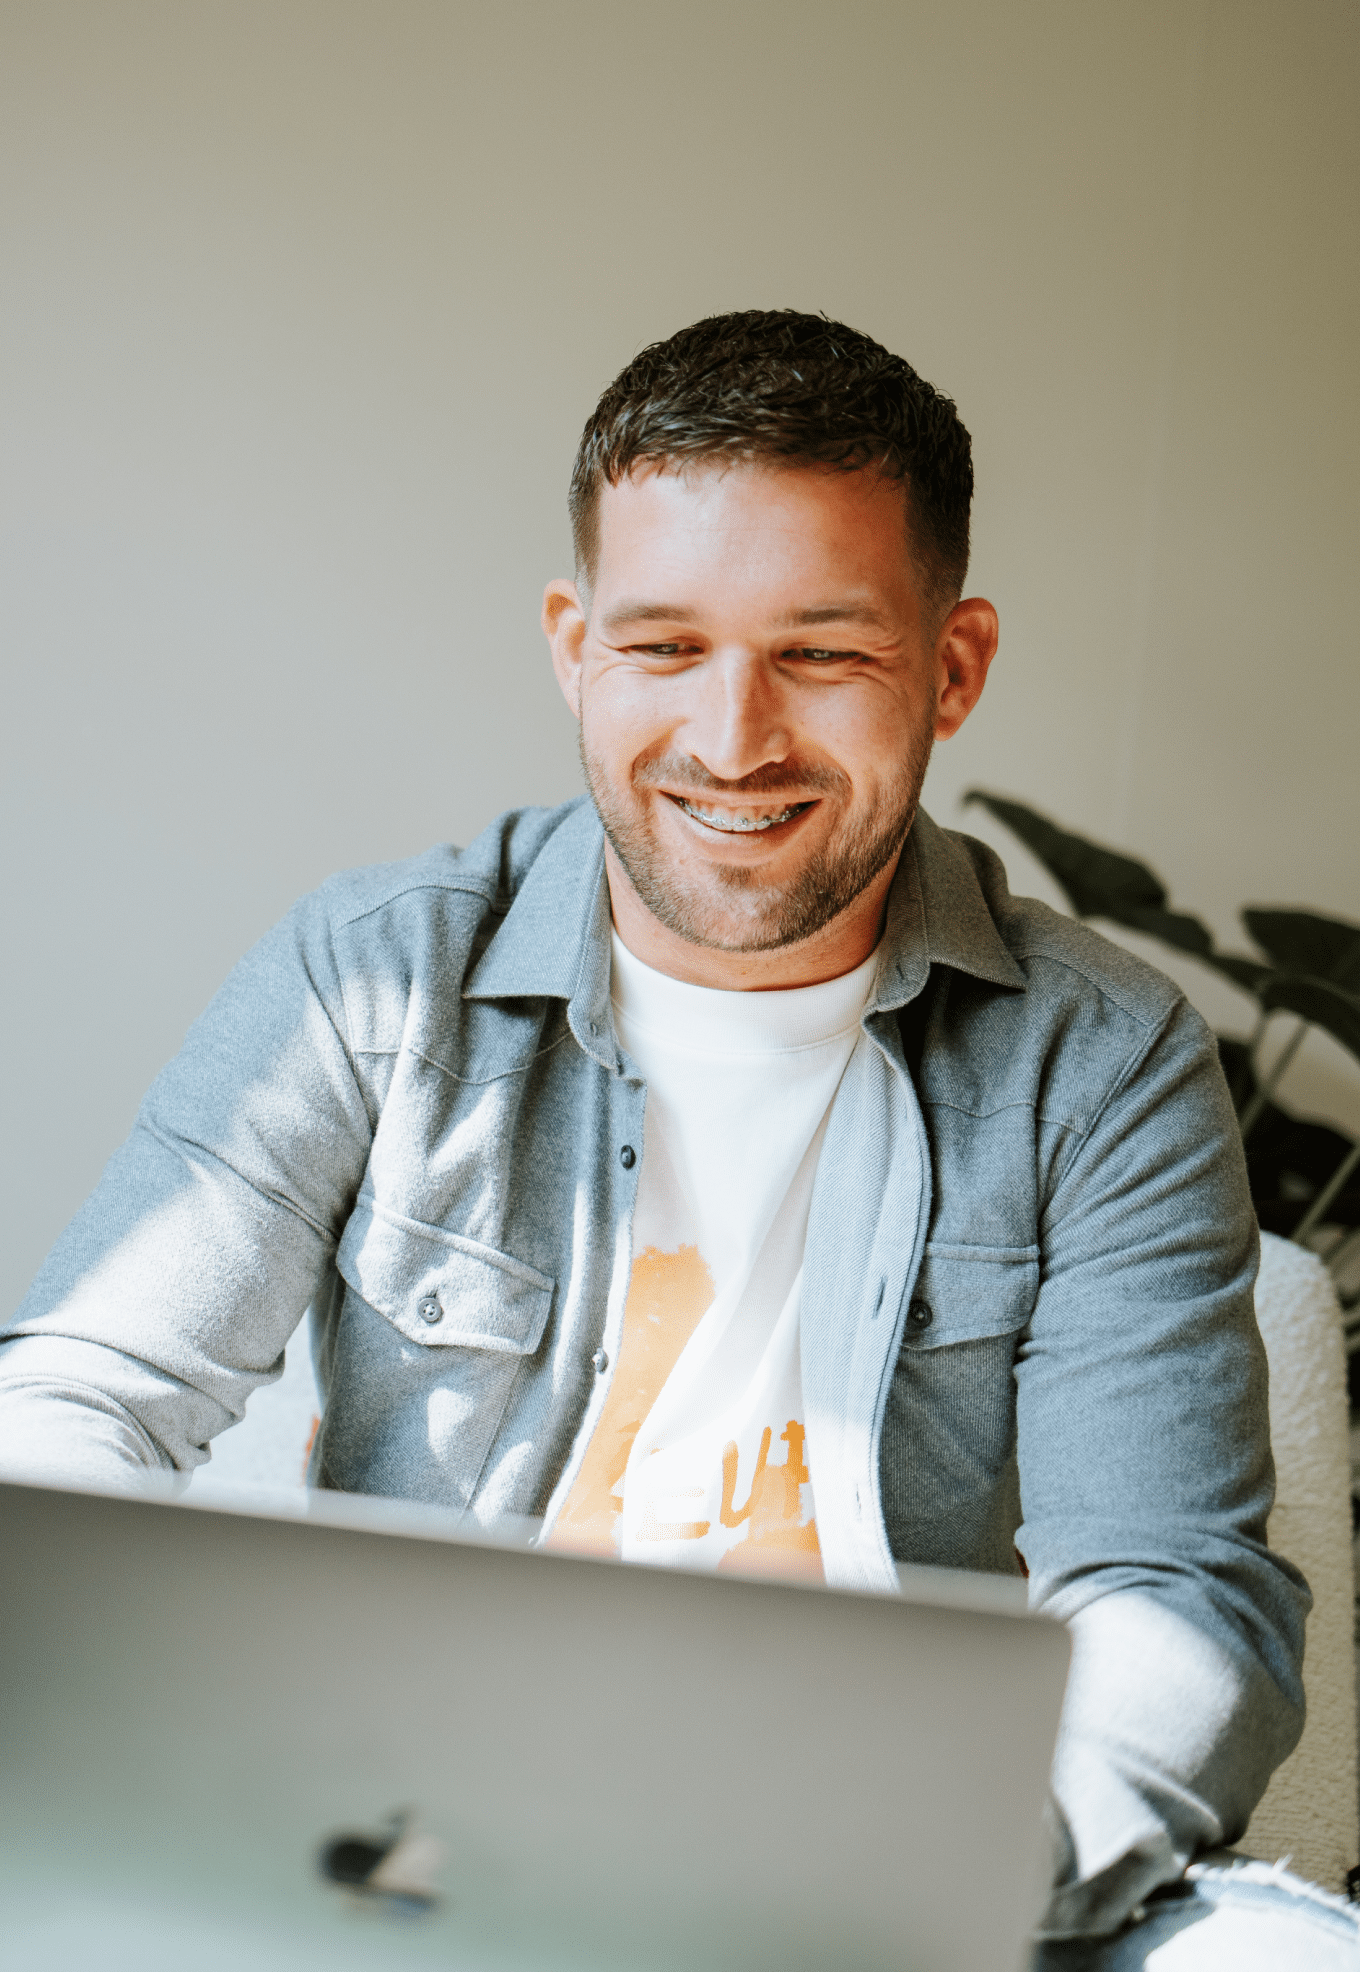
{"points": [[256, 1741]]}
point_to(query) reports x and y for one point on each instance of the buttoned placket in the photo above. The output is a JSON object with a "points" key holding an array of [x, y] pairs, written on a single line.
{"points": [[590, 1017]]}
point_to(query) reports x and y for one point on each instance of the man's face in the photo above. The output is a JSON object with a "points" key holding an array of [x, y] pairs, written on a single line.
{"points": [[757, 692]]}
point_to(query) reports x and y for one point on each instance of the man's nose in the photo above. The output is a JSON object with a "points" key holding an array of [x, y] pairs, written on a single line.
{"points": [[740, 719]]}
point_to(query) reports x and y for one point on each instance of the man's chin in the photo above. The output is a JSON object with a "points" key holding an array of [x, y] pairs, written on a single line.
{"points": [[737, 909], [699, 923]]}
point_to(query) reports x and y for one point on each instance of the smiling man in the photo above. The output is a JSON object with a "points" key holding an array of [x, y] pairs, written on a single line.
{"points": [[726, 1169]]}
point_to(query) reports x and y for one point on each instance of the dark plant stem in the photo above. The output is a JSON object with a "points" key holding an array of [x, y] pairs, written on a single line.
{"points": [[1265, 1090], [1313, 1216], [1242, 1080]]}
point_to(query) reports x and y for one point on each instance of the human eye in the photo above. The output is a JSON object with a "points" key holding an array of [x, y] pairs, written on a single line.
{"points": [[669, 651], [815, 655]]}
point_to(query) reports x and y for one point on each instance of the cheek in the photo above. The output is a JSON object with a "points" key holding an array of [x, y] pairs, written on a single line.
{"points": [[625, 717], [863, 733], [613, 733]]}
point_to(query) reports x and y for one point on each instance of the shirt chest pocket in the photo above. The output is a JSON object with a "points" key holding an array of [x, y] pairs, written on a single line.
{"points": [[440, 1290], [971, 1294], [433, 1333]]}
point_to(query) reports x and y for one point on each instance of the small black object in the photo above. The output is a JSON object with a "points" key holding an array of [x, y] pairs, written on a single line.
{"points": [[350, 1860], [628, 1157], [920, 1314], [1353, 1885]]}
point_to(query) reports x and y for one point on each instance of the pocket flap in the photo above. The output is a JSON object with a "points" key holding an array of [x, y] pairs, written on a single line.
{"points": [[966, 1293], [441, 1290]]}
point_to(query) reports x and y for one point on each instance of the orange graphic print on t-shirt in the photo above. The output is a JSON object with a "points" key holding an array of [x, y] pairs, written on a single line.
{"points": [[668, 1296], [778, 1541]]}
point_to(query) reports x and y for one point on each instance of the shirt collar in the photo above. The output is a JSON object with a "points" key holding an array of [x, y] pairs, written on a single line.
{"points": [[554, 940], [937, 915]]}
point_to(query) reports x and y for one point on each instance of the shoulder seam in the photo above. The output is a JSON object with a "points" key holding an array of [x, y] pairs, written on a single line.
{"points": [[463, 886], [1104, 987]]}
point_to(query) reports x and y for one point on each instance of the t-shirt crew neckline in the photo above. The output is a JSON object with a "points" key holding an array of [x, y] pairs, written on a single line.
{"points": [[712, 1020]]}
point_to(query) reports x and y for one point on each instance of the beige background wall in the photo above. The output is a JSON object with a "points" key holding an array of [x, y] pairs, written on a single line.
{"points": [[302, 307]]}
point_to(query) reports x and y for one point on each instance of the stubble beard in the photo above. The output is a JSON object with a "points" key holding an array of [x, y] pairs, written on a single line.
{"points": [[733, 907]]}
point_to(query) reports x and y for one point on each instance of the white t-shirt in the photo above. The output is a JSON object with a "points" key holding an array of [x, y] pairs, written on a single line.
{"points": [[697, 1455]]}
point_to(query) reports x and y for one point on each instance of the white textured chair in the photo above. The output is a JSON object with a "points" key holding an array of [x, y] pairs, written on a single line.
{"points": [[1309, 1811]]}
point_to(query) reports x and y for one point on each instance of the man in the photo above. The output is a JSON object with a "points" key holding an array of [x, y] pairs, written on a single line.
{"points": [[727, 1169]]}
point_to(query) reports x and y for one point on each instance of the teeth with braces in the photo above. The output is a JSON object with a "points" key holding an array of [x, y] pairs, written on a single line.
{"points": [[740, 823]]}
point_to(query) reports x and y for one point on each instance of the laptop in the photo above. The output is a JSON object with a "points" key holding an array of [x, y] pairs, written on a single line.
{"points": [[328, 1732]]}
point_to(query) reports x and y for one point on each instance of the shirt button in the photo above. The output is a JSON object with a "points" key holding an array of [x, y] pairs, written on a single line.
{"points": [[600, 1361], [920, 1314], [628, 1157], [429, 1309]]}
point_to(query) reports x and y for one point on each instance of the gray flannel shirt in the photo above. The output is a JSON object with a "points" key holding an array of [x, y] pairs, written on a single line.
{"points": [[1027, 1324]]}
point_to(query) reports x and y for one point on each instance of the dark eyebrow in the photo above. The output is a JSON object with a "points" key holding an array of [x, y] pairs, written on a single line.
{"points": [[839, 613], [636, 610]]}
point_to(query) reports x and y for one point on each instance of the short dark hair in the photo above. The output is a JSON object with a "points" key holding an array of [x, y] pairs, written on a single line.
{"points": [[770, 384]]}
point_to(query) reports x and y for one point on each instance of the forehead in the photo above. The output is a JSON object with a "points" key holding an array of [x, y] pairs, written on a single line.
{"points": [[723, 522]]}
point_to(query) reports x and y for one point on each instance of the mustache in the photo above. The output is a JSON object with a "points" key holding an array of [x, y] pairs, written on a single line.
{"points": [[681, 773]]}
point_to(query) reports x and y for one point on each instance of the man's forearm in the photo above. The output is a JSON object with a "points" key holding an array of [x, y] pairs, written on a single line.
{"points": [[57, 1429], [78, 1412], [171, 1295], [1167, 1739]]}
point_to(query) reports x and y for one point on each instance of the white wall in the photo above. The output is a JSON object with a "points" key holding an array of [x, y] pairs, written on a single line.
{"points": [[302, 307]]}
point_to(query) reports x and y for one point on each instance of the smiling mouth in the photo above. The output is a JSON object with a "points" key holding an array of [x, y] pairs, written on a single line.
{"points": [[740, 821]]}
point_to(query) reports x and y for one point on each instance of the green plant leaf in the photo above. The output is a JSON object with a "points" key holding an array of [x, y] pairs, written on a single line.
{"points": [[1304, 942], [1317, 1000], [1172, 927], [1097, 882], [1100, 882], [1247, 973], [1289, 1160]]}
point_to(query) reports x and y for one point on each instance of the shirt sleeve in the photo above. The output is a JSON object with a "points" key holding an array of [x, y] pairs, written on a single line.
{"points": [[1146, 1481], [169, 1298]]}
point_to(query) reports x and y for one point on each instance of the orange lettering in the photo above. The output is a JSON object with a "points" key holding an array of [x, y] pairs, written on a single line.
{"points": [[730, 1514], [653, 1529], [795, 1472]]}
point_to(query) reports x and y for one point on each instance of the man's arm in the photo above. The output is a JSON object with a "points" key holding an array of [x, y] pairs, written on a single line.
{"points": [[171, 1295], [1146, 1480]]}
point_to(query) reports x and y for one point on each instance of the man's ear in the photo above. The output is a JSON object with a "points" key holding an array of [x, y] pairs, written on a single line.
{"points": [[564, 625], [964, 650]]}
